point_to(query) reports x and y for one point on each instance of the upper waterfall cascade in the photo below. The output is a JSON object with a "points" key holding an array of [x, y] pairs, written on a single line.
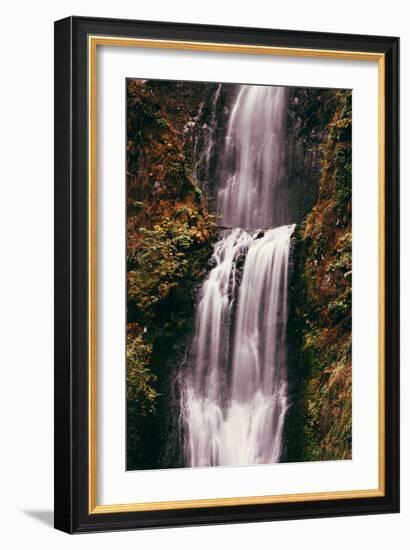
{"points": [[252, 196]]}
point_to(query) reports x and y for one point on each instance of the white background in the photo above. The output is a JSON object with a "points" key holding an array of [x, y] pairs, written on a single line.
{"points": [[26, 272], [114, 484]]}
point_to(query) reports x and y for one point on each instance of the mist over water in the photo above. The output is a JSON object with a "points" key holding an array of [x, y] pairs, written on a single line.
{"points": [[234, 387]]}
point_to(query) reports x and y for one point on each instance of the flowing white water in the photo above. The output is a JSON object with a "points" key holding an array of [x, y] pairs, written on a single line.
{"points": [[251, 196], [234, 394]]}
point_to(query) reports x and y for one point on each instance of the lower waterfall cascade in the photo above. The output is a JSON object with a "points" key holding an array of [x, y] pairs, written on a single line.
{"points": [[234, 403]]}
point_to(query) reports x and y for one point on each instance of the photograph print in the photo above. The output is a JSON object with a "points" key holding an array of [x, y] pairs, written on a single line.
{"points": [[239, 274]]}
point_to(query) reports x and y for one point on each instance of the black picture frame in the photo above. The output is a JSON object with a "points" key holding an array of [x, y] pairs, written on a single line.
{"points": [[72, 513]]}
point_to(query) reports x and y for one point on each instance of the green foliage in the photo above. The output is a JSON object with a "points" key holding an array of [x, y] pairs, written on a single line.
{"points": [[312, 110], [141, 393], [320, 319], [139, 377], [161, 121], [342, 260], [168, 255], [143, 115], [342, 157], [176, 169]]}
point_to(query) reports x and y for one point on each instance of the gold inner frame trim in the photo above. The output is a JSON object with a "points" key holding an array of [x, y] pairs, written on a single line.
{"points": [[93, 42]]}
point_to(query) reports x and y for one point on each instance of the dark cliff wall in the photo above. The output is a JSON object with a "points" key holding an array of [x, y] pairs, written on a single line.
{"points": [[318, 425], [307, 125], [169, 241]]}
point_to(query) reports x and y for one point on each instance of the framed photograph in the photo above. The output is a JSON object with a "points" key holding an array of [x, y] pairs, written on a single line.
{"points": [[226, 274]]}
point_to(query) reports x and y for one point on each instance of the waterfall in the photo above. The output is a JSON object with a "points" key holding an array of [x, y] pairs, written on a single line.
{"points": [[252, 195], [234, 386]]}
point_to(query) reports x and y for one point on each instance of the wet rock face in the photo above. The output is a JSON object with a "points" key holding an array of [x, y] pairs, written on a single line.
{"points": [[170, 234], [205, 138], [308, 117], [319, 422]]}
